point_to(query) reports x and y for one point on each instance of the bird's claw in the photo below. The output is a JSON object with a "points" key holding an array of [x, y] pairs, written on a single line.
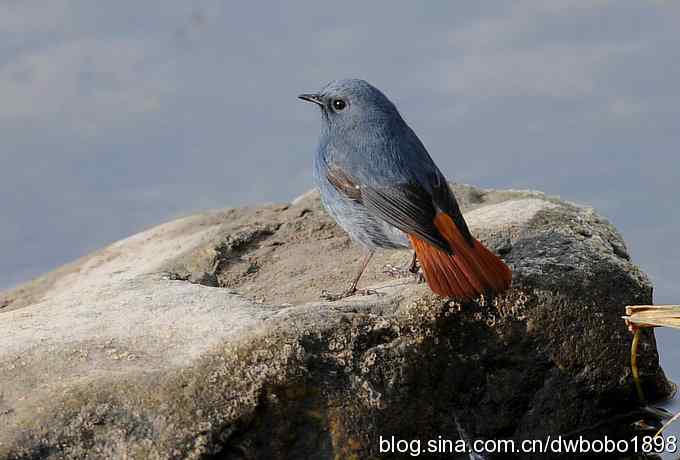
{"points": [[325, 295], [404, 272]]}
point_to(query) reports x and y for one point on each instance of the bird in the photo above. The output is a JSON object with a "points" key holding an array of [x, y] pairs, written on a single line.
{"points": [[379, 183]]}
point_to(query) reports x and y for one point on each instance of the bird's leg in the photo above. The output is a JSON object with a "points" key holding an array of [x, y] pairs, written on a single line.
{"points": [[364, 263], [352, 287], [415, 269], [413, 266]]}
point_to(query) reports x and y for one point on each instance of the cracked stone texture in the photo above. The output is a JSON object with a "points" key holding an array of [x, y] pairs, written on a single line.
{"points": [[205, 338]]}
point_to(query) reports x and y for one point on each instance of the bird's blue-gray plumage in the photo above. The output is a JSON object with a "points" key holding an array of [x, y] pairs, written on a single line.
{"points": [[375, 177]]}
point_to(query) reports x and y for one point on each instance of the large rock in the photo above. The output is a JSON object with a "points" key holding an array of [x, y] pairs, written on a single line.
{"points": [[204, 338]]}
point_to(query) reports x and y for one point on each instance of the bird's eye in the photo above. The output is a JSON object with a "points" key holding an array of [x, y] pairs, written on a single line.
{"points": [[339, 104]]}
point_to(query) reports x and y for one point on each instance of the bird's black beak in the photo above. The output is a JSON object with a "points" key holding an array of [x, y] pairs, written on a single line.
{"points": [[315, 98]]}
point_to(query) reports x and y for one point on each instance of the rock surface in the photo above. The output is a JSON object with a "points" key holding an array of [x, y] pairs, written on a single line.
{"points": [[204, 338]]}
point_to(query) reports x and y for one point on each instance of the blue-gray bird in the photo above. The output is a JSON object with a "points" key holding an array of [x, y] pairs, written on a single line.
{"points": [[379, 183]]}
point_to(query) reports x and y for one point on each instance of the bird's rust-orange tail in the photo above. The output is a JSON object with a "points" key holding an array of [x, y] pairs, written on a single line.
{"points": [[471, 270]]}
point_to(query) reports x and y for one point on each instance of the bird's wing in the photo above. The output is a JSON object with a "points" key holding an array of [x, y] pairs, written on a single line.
{"points": [[443, 199], [454, 263], [344, 183], [406, 206]]}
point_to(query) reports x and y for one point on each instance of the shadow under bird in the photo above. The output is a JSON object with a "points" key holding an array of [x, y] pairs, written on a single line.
{"points": [[378, 182]]}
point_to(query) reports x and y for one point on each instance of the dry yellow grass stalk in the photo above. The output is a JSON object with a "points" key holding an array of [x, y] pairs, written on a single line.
{"points": [[641, 316], [653, 315]]}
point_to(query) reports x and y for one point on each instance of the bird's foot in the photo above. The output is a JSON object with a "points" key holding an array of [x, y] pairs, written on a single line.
{"points": [[396, 272], [325, 295], [407, 271]]}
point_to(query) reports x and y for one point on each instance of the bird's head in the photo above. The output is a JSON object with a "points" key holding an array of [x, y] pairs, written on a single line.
{"points": [[352, 102]]}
